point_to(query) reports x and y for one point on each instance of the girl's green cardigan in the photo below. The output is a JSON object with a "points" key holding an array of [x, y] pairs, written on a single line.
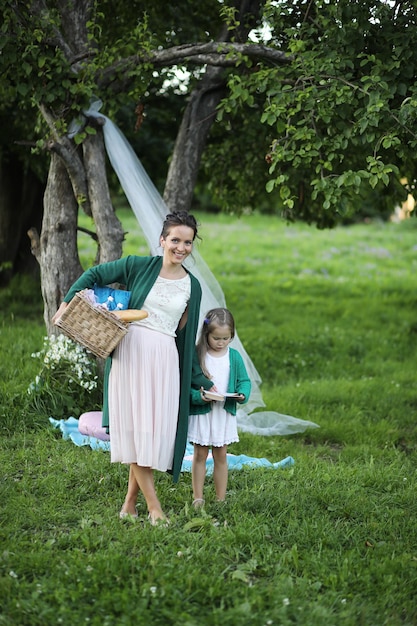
{"points": [[138, 274], [239, 382]]}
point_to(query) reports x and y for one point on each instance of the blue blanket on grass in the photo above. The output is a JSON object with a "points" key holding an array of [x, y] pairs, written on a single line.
{"points": [[69, 429]]}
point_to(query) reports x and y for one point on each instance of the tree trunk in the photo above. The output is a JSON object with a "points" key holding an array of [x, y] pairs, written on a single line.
{"points": [[191, 139], [108, 227], [58, 253], [57, 250], [200, 114]]}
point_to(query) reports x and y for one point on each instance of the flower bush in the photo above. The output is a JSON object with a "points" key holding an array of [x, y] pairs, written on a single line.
{"points": [[69, 381]]}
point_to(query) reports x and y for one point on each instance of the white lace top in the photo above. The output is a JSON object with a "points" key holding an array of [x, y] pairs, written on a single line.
{"points": [[165, 304]]}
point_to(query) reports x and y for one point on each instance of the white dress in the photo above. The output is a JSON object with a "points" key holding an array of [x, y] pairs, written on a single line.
{"points": [[218, 427], [144, 381]]}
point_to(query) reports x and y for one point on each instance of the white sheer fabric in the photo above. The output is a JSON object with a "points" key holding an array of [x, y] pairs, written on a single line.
{"points": [[150, 211]]}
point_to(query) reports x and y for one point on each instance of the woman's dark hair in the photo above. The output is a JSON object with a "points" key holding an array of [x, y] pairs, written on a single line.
{"points": [[179, 218], [215, 317]]}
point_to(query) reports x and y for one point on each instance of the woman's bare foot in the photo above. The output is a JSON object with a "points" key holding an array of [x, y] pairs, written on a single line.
{"points": [[125, 514], [128, 508], [157, 517]]}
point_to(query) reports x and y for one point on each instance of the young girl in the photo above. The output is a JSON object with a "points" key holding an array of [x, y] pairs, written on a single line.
{"points": [[212, 422]]}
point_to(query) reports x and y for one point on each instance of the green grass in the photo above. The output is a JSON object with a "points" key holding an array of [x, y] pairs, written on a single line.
{"points": [[329, 319]]}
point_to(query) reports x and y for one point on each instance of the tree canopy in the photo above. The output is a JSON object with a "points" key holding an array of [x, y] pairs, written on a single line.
{"points": [[311, 101], [344, 111], [58, 56]]}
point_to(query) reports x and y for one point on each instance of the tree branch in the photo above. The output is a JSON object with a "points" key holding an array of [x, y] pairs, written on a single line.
{"points": [[214, 53], [217, 50], [75, 171], [65, 149], [35, 244], [91, 233]]}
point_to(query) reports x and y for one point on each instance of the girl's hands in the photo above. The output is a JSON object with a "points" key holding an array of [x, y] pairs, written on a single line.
{"points": [[203, 395]]}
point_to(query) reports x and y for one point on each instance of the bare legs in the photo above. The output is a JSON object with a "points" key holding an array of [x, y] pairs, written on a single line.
{"points": [[141, 478], [220, 473], [129, 505], [199, 473]]}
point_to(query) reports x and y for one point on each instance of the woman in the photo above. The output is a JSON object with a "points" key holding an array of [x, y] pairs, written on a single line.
{"points": [[148, 376]]}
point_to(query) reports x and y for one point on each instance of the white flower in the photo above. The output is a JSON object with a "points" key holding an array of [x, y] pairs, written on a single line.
{"points": [[61, 353]]}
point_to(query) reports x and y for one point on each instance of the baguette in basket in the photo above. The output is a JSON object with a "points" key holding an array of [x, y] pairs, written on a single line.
{"points": [[130, 315]]}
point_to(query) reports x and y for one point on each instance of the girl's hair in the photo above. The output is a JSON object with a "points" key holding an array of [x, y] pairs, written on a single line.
{"points": [[214, 318], [179, 218]]}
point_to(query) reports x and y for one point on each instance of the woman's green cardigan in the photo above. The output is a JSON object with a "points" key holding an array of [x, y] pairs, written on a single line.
{"points": [[138, 274]]}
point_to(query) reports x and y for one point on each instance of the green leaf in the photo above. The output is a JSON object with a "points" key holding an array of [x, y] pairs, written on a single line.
{"points": [[270, 185], [79, 138], [22, 89]]}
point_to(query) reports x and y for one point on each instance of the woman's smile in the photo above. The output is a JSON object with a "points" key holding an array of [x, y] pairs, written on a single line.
{"points": [[179, 243]]}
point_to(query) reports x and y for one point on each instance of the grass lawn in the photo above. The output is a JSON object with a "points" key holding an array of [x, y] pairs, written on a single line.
{"points": [[330, 321]]}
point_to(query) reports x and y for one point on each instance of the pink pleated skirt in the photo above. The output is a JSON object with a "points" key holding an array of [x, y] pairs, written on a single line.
{"points": [[144, 387]]}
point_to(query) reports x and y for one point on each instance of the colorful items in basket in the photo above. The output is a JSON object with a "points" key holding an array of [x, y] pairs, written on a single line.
{"points": [[116, 301], [111, 299]]}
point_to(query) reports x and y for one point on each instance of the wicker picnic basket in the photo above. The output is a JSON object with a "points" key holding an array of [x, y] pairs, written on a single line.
{"points": [[93, 327]]}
